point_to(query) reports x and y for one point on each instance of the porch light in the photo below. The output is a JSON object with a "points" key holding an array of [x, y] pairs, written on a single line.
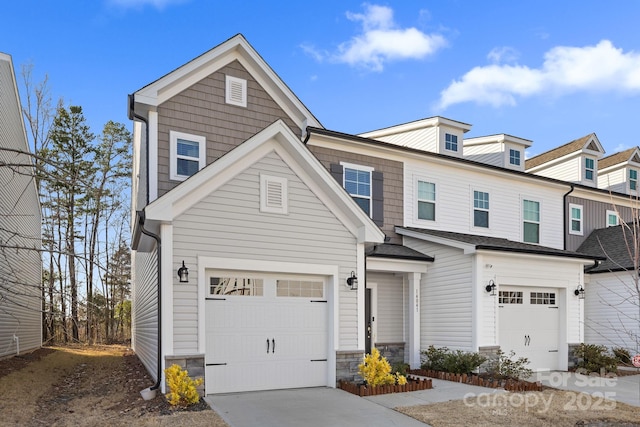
{"points": [[491, 287], [352, 282], [579, 292], [183, 273]]}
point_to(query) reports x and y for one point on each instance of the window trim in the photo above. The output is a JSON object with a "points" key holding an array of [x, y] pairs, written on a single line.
{"points": [[173, 153], [519, 157], [369, 169], [635, 181], [591, 169], [523, 221], [474, 208], [417, 200], [611, 213], [453, 135], [580, 220]]}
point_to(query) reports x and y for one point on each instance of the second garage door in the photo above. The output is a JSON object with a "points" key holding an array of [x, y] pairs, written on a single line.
{"points": [[529, 325], [265, 332]]}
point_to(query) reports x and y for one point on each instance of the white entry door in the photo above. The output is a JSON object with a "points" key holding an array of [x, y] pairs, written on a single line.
{"points": [[265, 332], [529, 325]]}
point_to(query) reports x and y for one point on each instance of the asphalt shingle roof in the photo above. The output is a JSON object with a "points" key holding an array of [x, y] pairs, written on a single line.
{"points": [[388, 250], [611, 243], [557, 152], [616, 158]]}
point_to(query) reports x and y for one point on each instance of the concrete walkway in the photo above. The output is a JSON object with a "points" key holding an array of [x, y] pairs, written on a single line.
{"points": [[327, 407]]}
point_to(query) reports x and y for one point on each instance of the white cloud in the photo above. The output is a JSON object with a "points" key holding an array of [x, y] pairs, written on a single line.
{"points": [[602, 67], [503, 54], [158, 4], [380, 41]]}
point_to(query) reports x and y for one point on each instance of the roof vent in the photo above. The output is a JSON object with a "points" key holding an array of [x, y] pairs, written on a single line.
{"points": [[236, 91], [273, 194]]}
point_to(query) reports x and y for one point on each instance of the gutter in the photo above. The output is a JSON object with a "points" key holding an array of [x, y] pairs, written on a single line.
{"points": [[141, 216], [564, 216], [133, 115]]}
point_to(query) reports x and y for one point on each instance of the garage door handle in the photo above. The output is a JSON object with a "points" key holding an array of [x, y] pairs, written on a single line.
{"points": [[267, 345], [273, 345]]}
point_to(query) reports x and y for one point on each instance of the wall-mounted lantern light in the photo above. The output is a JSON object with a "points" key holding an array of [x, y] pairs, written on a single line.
{"points": [[352, 282], [491, 287], [579, 292], [183, 273]]}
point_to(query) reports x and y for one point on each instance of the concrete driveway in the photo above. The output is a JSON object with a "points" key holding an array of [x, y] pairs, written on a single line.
{"points": [[621, 389]]}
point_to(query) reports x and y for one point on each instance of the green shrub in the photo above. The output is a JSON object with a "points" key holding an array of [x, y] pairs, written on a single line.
{"points": [[504, 366], [456, 362], [595, 358], [622, 355], [400, 368]]}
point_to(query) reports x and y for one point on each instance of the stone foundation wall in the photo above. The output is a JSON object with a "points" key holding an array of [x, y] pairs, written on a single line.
{"points": [[194, 364], [573, 359], [347, 365], [394, 352]]}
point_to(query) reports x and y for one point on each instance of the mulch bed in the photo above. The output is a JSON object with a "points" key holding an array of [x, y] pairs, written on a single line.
{"points": [[472, 379], [361, 390]]}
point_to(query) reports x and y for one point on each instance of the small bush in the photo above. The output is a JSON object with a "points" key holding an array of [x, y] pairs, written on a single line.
{"points": [[504, 366], [400, 368], [456, 362], [376, 370], [595, 358], [622, 355], [182, 388]]}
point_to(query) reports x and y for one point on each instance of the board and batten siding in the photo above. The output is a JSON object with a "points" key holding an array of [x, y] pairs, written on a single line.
{"points": [[144, 309], [391, 313], [228, 224], [201, 110], [455, 185], [445, 297], [20, 222], [611, 306]]}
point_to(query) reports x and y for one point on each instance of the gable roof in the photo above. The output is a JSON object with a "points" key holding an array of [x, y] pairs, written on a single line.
{"points": [[415, 125], [237, 48], [390, 250], [611, 243], [630, 155], [277, 138], [589, 142], [471, 242]]}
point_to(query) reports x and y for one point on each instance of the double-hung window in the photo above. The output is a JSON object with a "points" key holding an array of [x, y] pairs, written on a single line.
{"points": [[450, 142], [514, 157], [480, 209], [575, 221], [357, 182], [633, 180], [589, 169], [531, 221], [426, 200], [187, 155]]}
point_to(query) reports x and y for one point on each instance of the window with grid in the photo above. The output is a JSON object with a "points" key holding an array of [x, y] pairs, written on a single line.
{"points": [[576, 219], [236, 286], [589, 169], [546, 298], [633, 179], [480, 209], [450, 142], [357, 182], [514, 157], [510, 297], [531, 221], [299, 288], [426, 200]]}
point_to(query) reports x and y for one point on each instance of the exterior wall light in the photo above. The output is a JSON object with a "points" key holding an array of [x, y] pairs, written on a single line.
{"points": [[491, 287], [183, 273], [579, 292], [352, 282]]}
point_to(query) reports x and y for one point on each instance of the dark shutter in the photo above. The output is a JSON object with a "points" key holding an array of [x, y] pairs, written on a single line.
{"points": [[377, 182], [337, 173]]}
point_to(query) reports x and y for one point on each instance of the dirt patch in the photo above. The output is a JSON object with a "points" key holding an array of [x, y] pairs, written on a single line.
{"points": [[97, 385]]}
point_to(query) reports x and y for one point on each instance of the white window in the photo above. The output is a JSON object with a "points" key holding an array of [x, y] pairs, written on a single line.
{"points": [[514, 157], [450, 142], [426, 200], [589, 169], [575, 219], [300, 288], [480, 209], [236, 91], [510, 297], [531, 221], [612, 219], [633, 180], [273, 194], [236, 286], [187, 155], [545, 298], [357, 182]]}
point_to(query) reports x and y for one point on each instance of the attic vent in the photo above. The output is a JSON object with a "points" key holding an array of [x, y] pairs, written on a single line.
{"points": [[635, 158], [273, 194], [236, 91], [592, 146]]}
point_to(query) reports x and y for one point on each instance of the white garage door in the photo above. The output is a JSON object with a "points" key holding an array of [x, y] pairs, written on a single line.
{"points": [[265, 332], [529, 325]]}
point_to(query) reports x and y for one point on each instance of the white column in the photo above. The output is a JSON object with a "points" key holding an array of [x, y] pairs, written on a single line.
{"points": [[414, 319]]}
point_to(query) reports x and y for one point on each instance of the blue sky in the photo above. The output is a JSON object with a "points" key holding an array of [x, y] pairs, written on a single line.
{"points": [[547, 71]]}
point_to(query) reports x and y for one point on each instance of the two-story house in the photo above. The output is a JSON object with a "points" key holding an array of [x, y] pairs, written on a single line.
{"points": [[20, 222]]}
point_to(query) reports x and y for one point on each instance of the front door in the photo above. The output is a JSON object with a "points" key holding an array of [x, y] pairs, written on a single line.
{"points": [[368, 331]]}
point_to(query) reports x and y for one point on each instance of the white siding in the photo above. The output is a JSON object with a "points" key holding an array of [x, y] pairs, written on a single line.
{"points": [[612, 311], [445, 297], [228, 223], [20, 221], [490, 154], [390, 319], [144, 310], [422, 139], [616, 180], [568, 170], [454, 202]]}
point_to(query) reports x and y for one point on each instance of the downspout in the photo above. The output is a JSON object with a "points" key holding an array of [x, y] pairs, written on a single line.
{"points": [[564, 216], [141, 215], [133, 115]]}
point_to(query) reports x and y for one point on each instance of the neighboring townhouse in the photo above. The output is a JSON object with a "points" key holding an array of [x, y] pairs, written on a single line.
{"points": [[20, 222]]}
